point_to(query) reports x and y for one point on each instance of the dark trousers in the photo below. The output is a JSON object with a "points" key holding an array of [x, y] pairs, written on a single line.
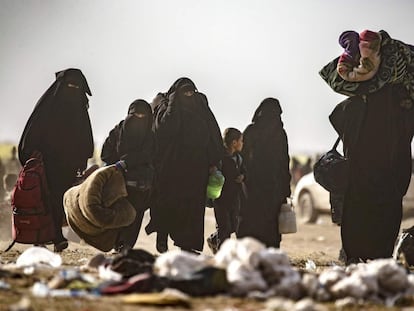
{"points": [[128, 235], [227, 219]]}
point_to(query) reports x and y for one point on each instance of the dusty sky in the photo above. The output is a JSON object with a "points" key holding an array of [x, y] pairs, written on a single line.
{"points": [[237, 52]]}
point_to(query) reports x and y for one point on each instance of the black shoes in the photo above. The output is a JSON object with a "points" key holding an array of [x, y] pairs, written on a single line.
{"points": [[162, 242], [60, 246]]}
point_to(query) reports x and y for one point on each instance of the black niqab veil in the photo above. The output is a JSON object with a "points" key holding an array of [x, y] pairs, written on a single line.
{"points": [[180, 83], [59, 126], [269, 111], [136, 133]]}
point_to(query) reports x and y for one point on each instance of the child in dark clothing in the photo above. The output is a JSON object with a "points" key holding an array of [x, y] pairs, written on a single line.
{"points": [[227, 206]]}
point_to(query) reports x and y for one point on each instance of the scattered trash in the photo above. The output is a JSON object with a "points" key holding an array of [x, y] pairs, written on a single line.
{"points": [[4, 285], [132, 262], [97, 261], [107, 274], [73, 279], [40, 289], [242, 268], [168, 297], [206, 282], [38, 255], [310, 265], [179, 265]]}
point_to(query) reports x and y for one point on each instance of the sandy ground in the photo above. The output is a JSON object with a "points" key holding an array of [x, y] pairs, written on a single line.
{"points": [[318, 242]]}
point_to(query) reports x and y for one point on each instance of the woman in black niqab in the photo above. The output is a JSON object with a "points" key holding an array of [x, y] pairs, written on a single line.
{"points": [[266, 158], [59, 128], [132, 143], [189, 144], [377, 132]]}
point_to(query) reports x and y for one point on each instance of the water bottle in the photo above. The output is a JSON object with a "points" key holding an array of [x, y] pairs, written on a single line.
{"points": [[215, 185]]}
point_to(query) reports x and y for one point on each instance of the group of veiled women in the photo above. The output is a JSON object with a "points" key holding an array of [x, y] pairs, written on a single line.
{"points": [[166, 152]]}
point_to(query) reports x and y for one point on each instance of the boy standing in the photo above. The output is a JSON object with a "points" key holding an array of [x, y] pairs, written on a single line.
{"points": [[227, 206]]}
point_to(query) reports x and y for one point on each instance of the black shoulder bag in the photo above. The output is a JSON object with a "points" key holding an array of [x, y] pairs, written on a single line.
{"points": [[331, 171]]}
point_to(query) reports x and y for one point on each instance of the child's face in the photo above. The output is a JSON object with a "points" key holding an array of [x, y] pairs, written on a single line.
{"points": [[238, 144]]}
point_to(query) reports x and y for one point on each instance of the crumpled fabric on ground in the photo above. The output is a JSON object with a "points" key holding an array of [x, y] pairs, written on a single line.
{"points": [[132, 262]]}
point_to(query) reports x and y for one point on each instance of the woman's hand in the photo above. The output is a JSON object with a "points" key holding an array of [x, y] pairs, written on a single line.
{"points": [[239, 179], [212, 169]]}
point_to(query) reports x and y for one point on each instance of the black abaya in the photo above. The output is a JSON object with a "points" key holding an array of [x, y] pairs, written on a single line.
{"points": [[189, 141], [266, 158], [377, 135], [59, 128], [133, 142]]}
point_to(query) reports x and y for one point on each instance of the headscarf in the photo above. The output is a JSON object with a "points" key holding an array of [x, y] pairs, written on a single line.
{"points": [[182, 83], [59, 125], [185, 96], [268, 111], [137, 124], [73, 77]]}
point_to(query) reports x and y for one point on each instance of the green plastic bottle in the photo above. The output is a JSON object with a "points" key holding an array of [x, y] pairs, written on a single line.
{"points": [[215, 184]]}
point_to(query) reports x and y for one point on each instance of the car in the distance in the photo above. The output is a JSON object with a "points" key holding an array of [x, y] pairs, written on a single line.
{"points": [[310, 200]]}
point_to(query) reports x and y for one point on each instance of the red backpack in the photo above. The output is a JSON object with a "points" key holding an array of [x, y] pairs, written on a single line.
{"points": [[32, 221]]}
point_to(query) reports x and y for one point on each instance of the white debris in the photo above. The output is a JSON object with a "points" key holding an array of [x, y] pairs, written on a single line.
{"points": [[245, 250], [310, 284], [179, 265], [310, 265], [347, 302], [391, 276], [266, 272], [40, 289], [244, 278], [306, 304], [331, 276], [38, 255], [252, 267], [107, 274], [279, 304]]}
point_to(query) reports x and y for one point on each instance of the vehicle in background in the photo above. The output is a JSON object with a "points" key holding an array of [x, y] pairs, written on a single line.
{"points": [[310, 200]]}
